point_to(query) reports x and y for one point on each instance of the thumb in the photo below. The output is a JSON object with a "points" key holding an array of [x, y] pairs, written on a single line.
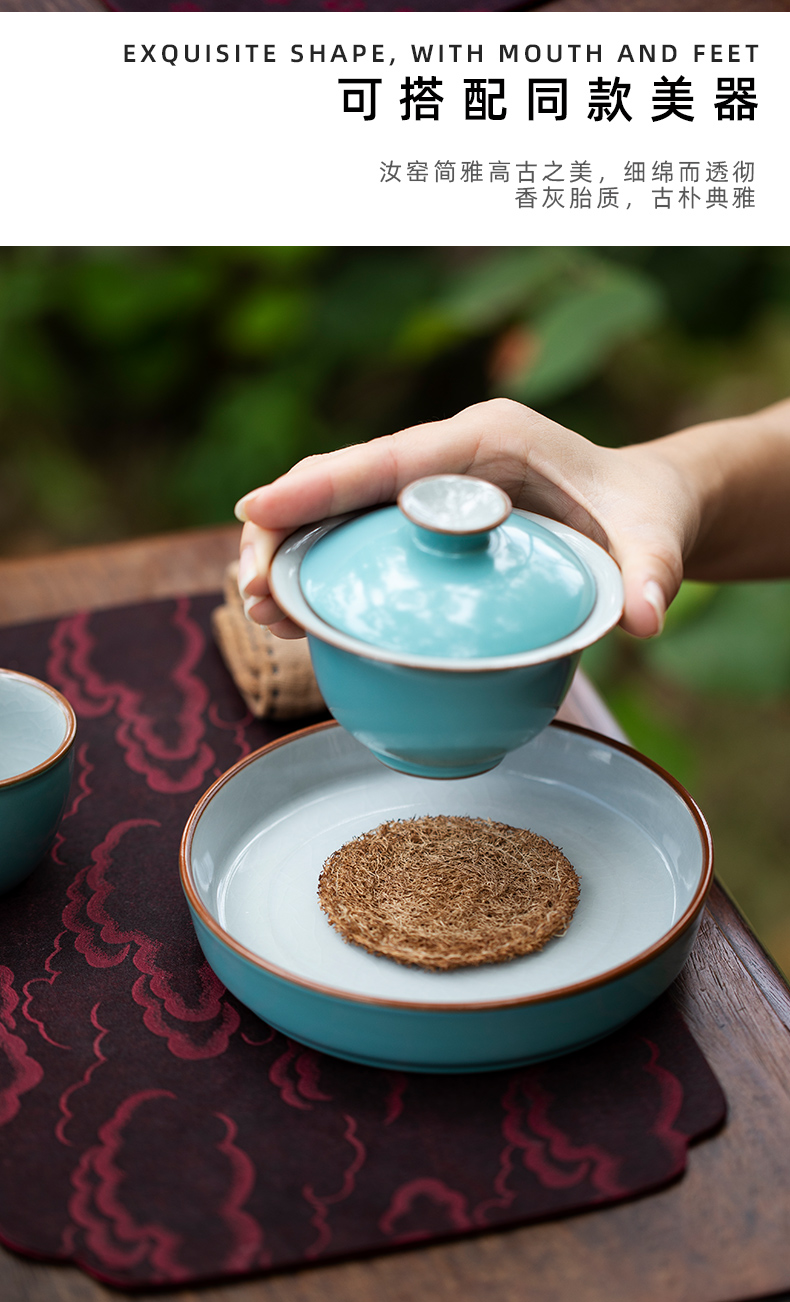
{"points": [[651, 578]]}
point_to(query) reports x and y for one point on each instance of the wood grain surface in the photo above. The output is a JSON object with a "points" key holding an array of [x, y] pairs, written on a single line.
{"points": [[52, 6], [43, 587], [721, 1234]]}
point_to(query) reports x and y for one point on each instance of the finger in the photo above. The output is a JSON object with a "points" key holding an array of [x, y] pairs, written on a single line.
{"points": [[268, 614], [364, 475], [286, 629], [651, 578], [257, 548], [263, 610]]}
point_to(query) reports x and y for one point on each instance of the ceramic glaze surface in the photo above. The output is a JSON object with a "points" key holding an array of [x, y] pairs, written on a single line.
{"points": [[440, 715], [261, 841], [32, 726], [36, 758], [286, 582], [385, 580], [456, 504], [427, 723]]}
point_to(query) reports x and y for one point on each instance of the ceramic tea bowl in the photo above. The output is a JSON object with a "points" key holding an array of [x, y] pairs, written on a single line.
{"points": [[445, 631], [37, 730]]}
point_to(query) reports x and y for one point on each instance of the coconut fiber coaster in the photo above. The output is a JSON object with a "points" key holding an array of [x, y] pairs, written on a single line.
{"points": [[154, 1131], [442, 892]]}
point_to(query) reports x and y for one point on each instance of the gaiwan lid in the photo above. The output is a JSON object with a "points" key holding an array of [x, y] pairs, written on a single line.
{"points": [[448, 572]]}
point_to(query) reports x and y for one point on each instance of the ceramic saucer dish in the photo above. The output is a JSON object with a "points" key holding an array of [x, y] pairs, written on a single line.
{"points": [[255, 844]]}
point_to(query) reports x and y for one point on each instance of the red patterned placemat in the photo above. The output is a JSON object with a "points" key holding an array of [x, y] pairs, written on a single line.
{"points": [[153, 1130]]}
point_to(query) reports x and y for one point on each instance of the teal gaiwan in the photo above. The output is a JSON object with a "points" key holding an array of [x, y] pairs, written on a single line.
{"points": [[445, 631]]}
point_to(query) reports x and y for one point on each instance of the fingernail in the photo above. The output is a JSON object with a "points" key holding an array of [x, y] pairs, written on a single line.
{"points": [[262, 550], [248, 569], [239, 509], [249, 602], [654, 597]]}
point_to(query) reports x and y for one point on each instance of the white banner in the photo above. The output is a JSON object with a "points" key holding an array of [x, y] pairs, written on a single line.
{"points": [[402, 128]]}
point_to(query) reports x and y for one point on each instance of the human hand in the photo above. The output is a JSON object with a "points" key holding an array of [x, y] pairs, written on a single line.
{"points": [[633, 501]]}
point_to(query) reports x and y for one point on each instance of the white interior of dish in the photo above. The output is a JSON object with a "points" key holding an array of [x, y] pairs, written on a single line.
{"points": [[33, 725], [260, 844]]}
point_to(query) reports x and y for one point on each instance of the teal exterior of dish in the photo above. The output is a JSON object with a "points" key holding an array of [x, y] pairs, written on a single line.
{"points": [[402, 1038], [30, 814], [439, 723]]}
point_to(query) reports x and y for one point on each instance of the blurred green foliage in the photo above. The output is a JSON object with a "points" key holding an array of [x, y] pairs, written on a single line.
{"points": [[145, 389]]}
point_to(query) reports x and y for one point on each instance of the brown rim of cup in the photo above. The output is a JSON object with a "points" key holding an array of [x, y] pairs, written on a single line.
{"points": [[612, 975], [71, 731]]}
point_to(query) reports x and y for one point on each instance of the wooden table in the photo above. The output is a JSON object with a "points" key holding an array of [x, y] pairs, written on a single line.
{"points": [[721, 1234]]}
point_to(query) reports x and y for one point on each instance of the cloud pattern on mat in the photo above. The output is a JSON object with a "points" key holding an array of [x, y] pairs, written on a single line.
{"points": [[153, 1130]]}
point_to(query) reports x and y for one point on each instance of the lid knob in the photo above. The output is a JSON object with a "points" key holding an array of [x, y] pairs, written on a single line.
{"points": [[457, 505]]}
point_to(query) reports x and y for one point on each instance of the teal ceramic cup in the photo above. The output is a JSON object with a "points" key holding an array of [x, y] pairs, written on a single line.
{"points": [[445, 631], [37, 731]]}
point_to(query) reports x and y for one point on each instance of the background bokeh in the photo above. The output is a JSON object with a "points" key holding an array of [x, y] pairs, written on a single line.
{"points": [[143, 390]]}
